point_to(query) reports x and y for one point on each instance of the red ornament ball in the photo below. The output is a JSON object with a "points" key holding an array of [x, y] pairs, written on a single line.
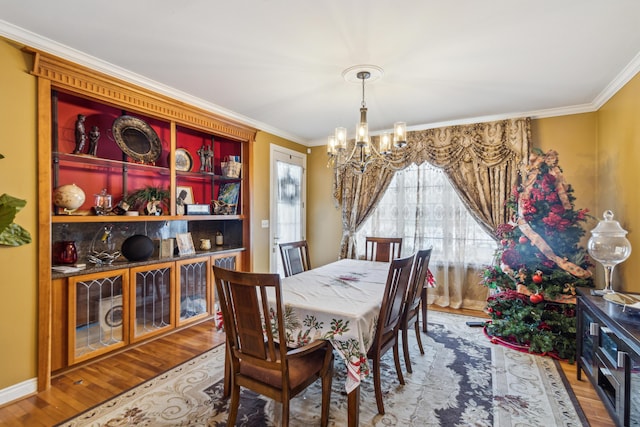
{"points": [[537, 279], [536, 298]]}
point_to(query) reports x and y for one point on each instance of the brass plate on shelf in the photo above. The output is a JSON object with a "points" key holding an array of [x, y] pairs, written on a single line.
{"points": [[136, 139], [184, 162]]}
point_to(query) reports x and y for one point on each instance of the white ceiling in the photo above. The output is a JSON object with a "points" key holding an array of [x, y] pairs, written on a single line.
{"points": [[277, 65]]}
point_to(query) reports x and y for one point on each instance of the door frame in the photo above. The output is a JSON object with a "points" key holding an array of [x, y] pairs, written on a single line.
{"points": [[273, 150]]}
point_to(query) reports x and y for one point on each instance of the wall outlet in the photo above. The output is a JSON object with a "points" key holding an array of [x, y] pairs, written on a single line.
{"points": [[265, 223]]}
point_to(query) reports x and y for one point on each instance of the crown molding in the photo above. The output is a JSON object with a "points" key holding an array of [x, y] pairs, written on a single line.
{"points": [[618, 82]]}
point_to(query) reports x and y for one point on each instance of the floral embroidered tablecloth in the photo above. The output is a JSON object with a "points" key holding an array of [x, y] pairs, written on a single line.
{"points": [[339, 302]]}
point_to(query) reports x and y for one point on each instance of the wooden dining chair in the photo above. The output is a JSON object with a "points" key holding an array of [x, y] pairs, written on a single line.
{"points": [[386, 335], [295, 257], [383, 249], [411, 312], [258, 361]]}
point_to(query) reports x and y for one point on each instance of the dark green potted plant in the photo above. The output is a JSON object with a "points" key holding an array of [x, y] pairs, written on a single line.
{"points": [[151, 200]]}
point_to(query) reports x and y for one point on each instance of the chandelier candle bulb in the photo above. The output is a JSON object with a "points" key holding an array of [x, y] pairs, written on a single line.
{"points": [[385, 143], [331, 145], [341, 138], [362, 135], [400, 134]]}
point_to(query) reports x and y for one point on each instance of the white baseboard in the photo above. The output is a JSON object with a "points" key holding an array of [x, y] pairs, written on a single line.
{"points": [[18, 391]]}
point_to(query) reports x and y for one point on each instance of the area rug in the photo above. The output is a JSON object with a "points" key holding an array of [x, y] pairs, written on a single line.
{"points": [[462, 380]]}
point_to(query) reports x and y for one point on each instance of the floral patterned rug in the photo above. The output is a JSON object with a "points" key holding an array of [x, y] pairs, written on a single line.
{"points": [[462, 380]]}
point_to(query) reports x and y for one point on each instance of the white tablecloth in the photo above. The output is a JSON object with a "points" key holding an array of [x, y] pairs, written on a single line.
{"points": [[339, 302]]}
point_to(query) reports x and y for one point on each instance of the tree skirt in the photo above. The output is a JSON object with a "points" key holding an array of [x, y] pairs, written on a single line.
{"points": [[461, 380], [517, 346]]}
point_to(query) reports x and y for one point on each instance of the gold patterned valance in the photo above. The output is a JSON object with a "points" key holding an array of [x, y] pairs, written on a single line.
{"points": [[481, 160]]}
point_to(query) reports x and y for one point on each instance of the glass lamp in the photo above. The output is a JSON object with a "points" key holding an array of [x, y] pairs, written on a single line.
{"points": [[609, 246]]}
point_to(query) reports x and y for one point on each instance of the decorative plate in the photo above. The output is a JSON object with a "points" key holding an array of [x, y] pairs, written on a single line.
{"points": [[625, 300], [136, 139], [184, 162]]}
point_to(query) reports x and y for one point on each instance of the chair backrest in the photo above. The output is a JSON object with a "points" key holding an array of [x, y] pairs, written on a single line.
{"points": [[395, 293], [418, 279], [244, 305], [383, 249], [295, 257]]}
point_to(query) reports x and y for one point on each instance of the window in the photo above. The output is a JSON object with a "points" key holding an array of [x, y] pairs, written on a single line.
{"points": [[423, 208]]}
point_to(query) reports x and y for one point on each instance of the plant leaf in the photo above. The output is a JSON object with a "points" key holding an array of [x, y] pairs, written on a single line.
{"points": [[14, 235], [11, 234], [7, 215]]}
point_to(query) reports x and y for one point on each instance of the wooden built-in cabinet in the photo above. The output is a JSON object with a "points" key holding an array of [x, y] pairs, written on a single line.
{"points": [[91, 312]]}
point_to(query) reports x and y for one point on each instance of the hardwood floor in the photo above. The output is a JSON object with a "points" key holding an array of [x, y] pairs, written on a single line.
{"points": [[81, 388]]}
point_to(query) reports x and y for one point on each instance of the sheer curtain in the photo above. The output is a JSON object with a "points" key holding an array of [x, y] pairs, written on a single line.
{"points": [[421, 206]]}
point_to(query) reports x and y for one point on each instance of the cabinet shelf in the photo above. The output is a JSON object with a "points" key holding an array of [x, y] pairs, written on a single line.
{"points": [[87, 160], [199, 175], [62, 219]]}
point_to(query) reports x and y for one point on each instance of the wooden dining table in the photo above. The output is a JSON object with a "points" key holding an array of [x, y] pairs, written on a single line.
{"points": [[339, 302]]}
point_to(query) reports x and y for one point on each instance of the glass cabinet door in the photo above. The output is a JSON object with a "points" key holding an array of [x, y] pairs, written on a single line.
{"points": [[587, 340], [634, 389], [230, 261], [194, 289], [151, 300], [97, 313]]}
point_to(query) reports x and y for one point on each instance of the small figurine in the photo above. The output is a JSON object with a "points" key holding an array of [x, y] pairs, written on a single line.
{"points": [[94, 136], [81, 136], [208, 159], [202, 152]]}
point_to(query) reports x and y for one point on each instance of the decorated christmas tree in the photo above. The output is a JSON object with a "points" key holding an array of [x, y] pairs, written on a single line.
{"points": [[538, 265]]}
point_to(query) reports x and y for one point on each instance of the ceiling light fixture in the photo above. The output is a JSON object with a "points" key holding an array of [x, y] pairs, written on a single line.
{"points": [[364, 150]]}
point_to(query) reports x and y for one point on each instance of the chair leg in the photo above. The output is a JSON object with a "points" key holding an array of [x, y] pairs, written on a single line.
{"points": [[327, 380], [378, 386], [227, 373], [285, 412], [417, 325], [405, 347], [423, 306], [396, 358], [233, 405]]}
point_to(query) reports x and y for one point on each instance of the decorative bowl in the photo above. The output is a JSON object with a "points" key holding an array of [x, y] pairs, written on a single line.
{"points": [[137, 248], [69, 196]]}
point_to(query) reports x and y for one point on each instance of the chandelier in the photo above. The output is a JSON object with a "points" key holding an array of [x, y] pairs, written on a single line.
{"points": [[363, 150]]}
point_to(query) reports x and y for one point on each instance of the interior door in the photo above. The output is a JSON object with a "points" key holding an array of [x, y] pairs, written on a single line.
{"points": [[288, 200]]}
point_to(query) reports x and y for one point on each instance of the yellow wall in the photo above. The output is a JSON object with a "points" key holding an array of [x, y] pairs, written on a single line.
{"points": [[260, 180], [574, 138], [324, 223], [18, 178], [618, 174]]}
